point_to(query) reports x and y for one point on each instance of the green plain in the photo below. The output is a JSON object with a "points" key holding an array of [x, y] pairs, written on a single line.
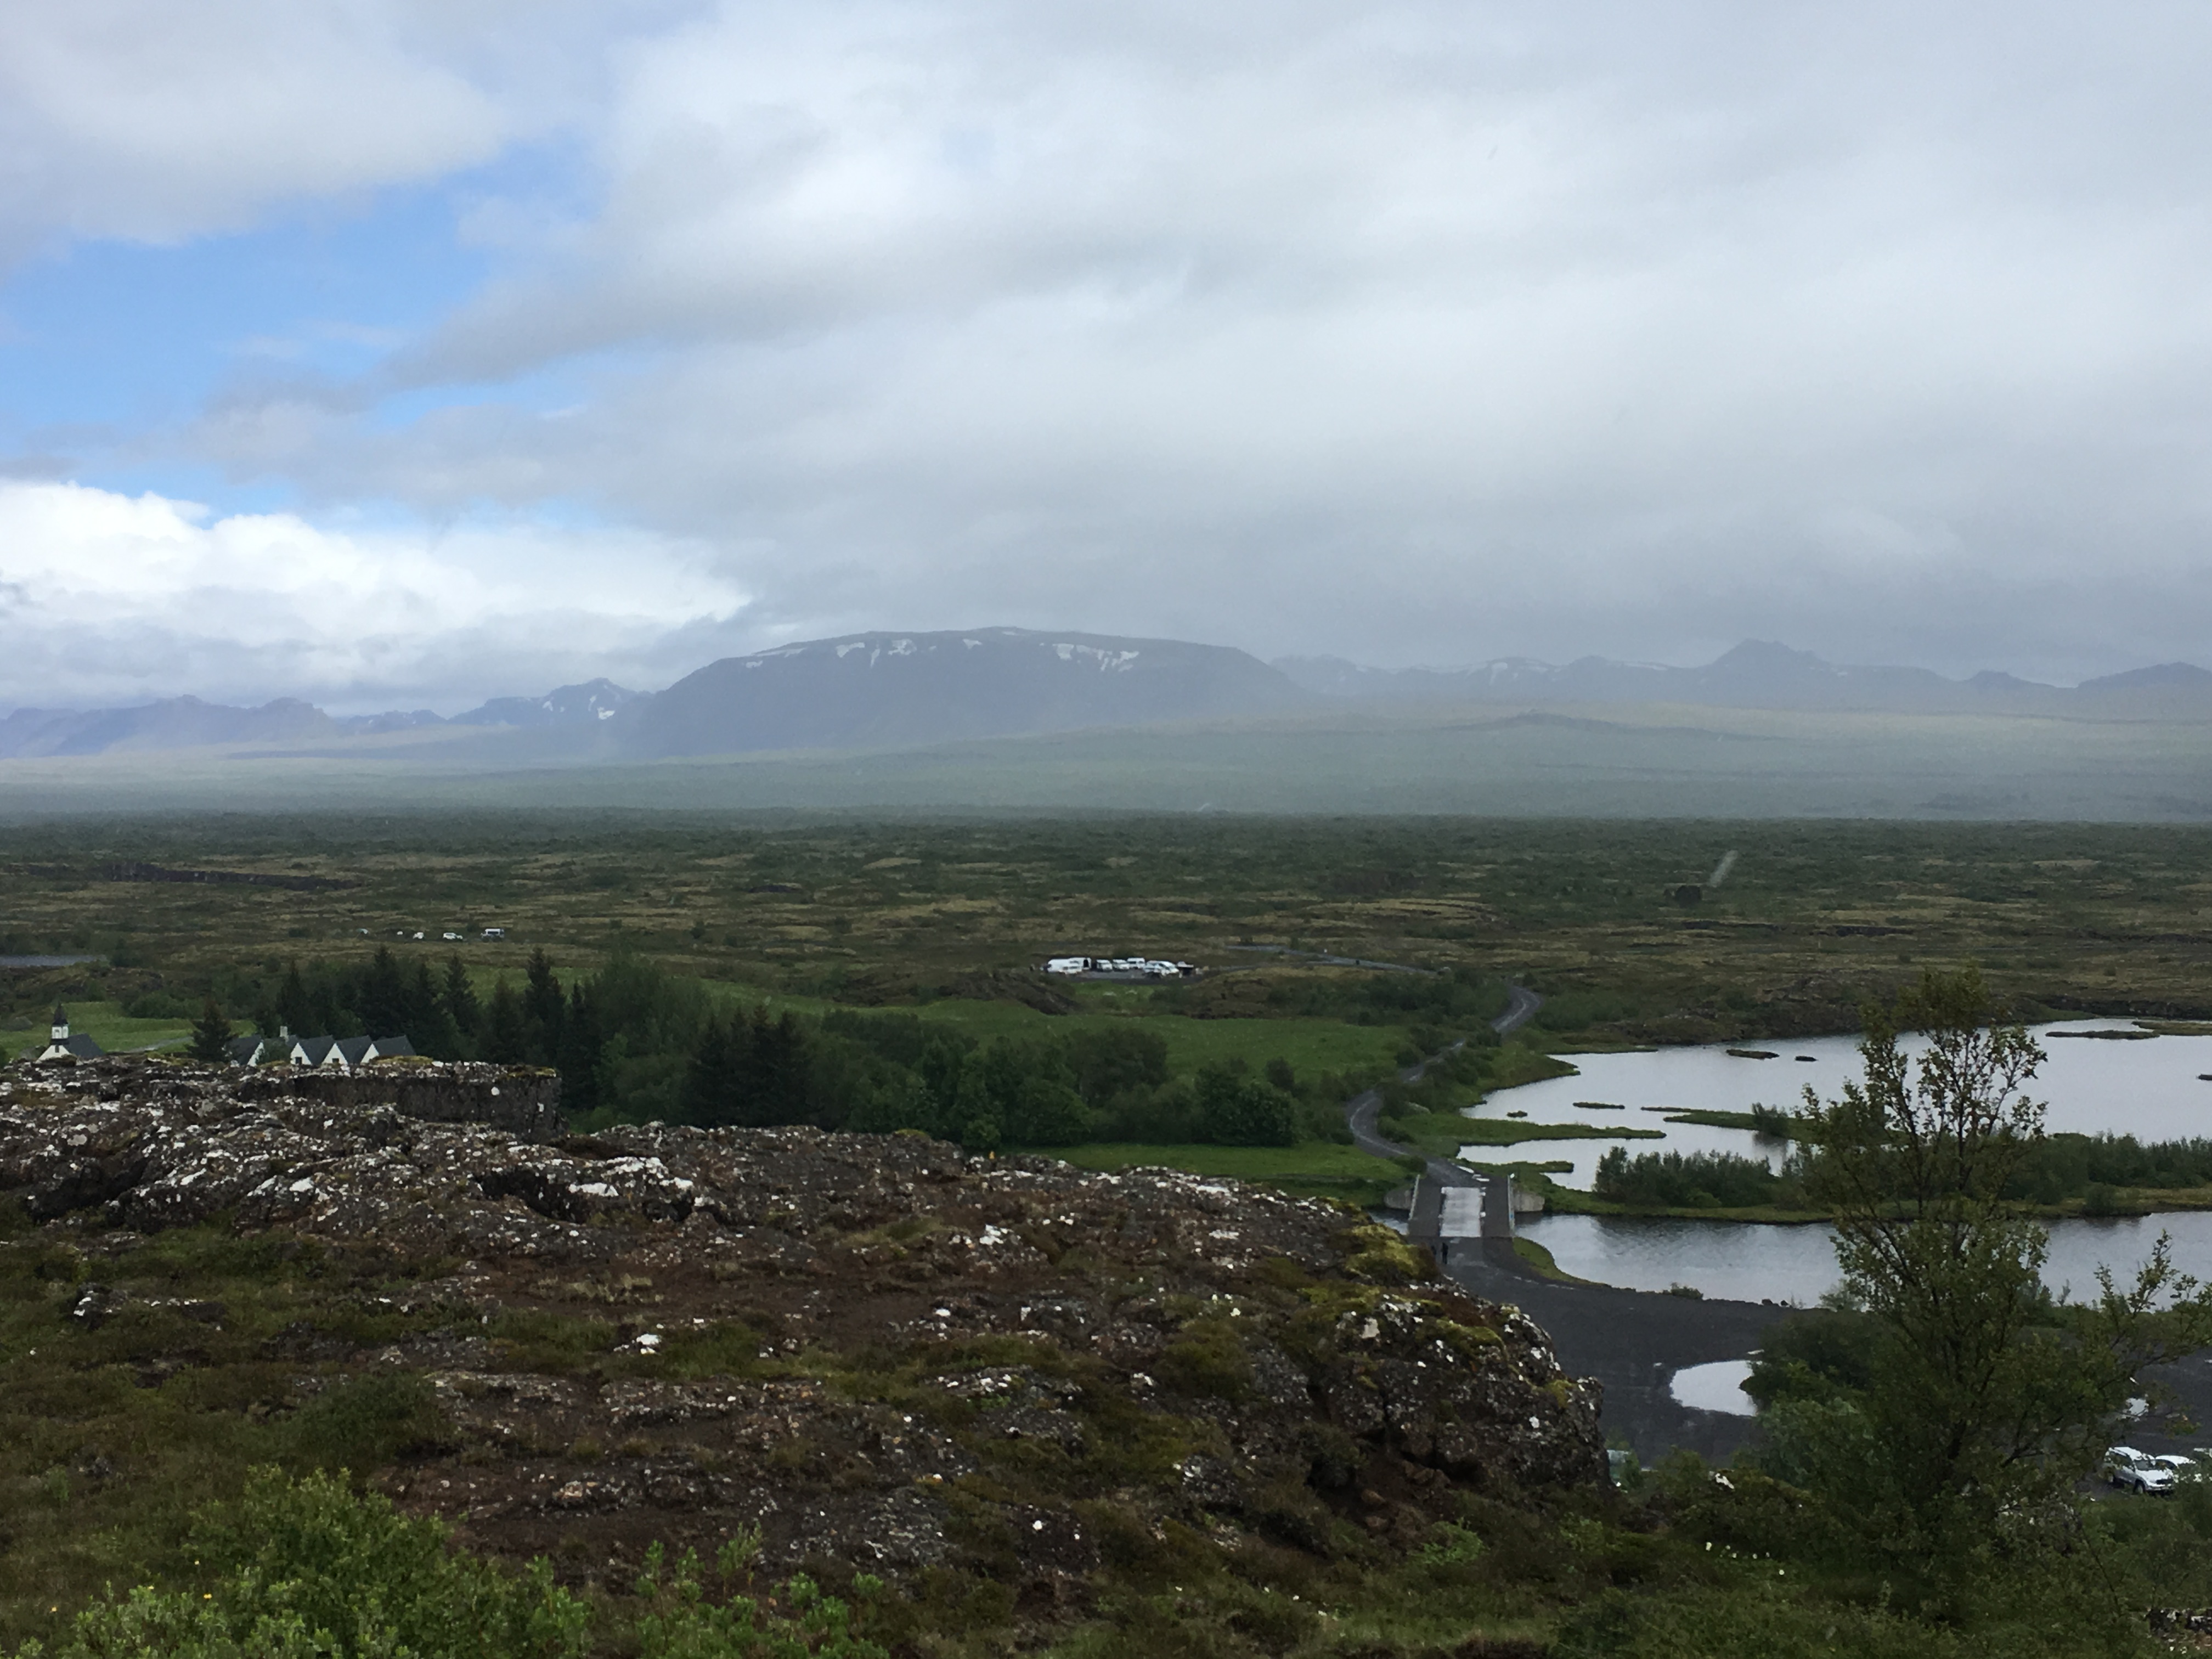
{"points": [[1315, 1168], [1309, 1045]]}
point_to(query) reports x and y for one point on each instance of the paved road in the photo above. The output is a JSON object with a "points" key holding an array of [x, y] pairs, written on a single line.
{"points": [[1360, 1112], [1633, 1343]]}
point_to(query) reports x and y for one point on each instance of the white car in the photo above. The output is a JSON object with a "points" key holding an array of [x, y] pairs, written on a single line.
{"points": [[2137, 1471], [2184, 1467]]}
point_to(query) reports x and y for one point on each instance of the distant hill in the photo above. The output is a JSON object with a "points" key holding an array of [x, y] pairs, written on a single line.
{"points": [[1760, 674], [189, 723], [175, 723], [884, 690], [585, 705]]}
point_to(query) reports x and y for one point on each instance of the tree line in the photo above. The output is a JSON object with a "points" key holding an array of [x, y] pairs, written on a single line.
{"points": [[2046, 1169], [634, 1043]]}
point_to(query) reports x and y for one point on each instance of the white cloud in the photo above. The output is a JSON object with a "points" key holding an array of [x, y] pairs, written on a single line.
{"points": [[152, 121], [109, 597], [1424, 329]]}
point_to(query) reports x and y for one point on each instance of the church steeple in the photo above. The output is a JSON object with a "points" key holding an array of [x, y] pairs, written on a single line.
{"points": [[60, 1023]]}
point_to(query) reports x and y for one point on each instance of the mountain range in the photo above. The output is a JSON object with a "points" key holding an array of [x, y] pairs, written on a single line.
{"points": [[1759, 674], [891, 690]]}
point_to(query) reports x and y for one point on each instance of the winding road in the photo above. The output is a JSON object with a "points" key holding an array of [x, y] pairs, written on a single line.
{"points": [[1360, 1111]]}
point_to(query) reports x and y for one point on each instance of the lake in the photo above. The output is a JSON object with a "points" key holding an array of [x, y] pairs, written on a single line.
{"points": [[2152, 1088], [1750, 1262]]}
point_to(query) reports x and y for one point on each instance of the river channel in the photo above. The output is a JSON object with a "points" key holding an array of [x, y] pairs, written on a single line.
{"points": [[2152, 1087]]}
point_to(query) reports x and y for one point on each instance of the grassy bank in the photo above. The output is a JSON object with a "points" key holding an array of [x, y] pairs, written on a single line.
{"points": [[1539, 1261], [105, 1023], [1316, 1169]]}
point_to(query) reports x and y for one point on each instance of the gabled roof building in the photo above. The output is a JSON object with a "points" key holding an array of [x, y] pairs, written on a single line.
{"points": [[62, 1045], [348, 1054]]}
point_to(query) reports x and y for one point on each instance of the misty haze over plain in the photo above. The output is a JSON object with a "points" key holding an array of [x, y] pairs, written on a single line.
{"points": [[393, 354]]}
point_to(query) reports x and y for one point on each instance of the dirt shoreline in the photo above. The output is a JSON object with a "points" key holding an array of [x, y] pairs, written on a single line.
{"points": [[1632, 1341]]}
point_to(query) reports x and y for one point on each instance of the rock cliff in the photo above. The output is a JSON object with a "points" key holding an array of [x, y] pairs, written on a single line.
{"points": [[883, 1353]]}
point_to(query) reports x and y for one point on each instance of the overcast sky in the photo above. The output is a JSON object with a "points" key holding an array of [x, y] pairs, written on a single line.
{"points": [[403, 352]]}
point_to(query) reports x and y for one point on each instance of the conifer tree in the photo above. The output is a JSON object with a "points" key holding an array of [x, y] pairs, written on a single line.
{"points": [[581, 1048], [294, 1010], [460, 1000], [708, 1081], [210, 1034], [379, 1001], [544, 1005], [505, 1039]]}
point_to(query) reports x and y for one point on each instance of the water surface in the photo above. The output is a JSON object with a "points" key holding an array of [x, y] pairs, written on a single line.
{"points": [[1757, 1263], [2153, 1088]]}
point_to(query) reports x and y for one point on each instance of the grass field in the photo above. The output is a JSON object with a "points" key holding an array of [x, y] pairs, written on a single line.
{"points": [[1311, 1045], [105, 1023], [1813, 918], [1315, 1169]]}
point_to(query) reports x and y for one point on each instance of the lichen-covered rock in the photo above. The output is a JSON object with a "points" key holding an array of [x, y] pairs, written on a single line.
{"points": [[879, 1350], [525, 1100]]}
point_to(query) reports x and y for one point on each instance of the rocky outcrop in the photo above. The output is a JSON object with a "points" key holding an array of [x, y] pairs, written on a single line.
{"points": [[881, 1351], [525, 1100]]}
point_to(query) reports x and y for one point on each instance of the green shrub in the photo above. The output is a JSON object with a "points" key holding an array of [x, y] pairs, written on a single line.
{"points": [[686, 1622], [1703, 1181], [307, 1568]]}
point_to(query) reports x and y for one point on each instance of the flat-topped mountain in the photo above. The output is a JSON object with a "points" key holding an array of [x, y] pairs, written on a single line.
{"points": [[885, 690]]}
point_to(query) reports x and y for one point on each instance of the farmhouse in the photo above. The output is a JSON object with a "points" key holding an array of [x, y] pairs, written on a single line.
{"points": [[255, 1050], [348, 1054]]}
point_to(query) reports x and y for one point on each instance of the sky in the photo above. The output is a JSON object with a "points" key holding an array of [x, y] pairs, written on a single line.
{"points": [[398, 354]]}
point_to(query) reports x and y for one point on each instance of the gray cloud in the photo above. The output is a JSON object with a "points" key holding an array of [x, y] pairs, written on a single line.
{"points": [[1410, 331]]}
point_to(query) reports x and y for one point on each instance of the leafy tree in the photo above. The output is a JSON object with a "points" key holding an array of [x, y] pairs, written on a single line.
{"points": [[1112, 1060], [1982, 1401], [1689, 1180], [1029, 1093], [210, 1034], [901, 1100], [1235, 1110]]}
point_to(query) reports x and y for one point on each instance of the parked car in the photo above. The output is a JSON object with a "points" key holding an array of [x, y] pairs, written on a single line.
{"points": [[2137, 1471], [2183, 1466]]}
